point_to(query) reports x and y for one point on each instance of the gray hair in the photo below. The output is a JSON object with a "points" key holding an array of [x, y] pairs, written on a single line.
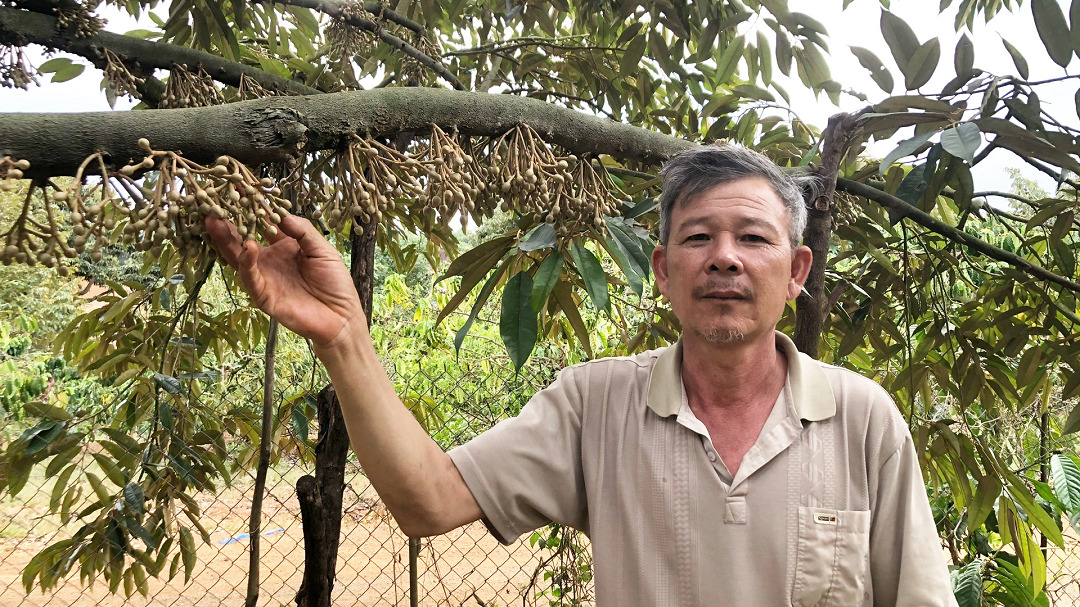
{"points": [[702, 168]]}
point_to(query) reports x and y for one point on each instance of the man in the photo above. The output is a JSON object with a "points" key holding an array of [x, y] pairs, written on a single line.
{"points": [[725, 470]]}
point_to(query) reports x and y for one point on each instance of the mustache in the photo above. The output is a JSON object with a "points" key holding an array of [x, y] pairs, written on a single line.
{"points": [[722, 285]]}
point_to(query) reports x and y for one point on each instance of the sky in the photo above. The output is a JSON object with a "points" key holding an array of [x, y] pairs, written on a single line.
{"points": [[855, 26]]}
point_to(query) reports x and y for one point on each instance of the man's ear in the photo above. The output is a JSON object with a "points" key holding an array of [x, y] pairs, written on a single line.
{"points": [[659, 266], [801, 261]]}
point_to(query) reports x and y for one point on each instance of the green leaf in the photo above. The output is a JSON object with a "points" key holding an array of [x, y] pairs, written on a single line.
{"points": [[461, 265], [68, 72], [1053, 30], [38, 437], [729, 61], [912, 187], [517, 324], [168, 383], [622, 258], [232, 48], [1074, 21], [54, 65], [1066, 475], [923, 64], [962, 141], [59, 487], [593, 274], [631, 245], [968, 583], [481, 299], [632, 56], [749, 91], [541, 237], [901, 39], [982, 504], [134, 497], [547, 276], [877, 70], [110, 469], [766, 57], [905, 148], [1072, 424], [1029, 365], [565, 296], [99, 488], [783, 53], [478, 266], [299, 420], [1018, 59], [187, 552], [964, 57], [49, 411]]}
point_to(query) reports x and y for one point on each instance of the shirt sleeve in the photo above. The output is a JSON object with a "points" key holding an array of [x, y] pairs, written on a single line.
{"points": [[526, 471], [907, 563]]}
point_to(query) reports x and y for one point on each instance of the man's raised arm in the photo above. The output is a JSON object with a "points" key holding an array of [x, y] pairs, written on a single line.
{"points": [[301, 281]]}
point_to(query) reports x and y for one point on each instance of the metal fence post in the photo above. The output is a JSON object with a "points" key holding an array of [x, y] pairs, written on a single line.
{"points": [[414, 554]]}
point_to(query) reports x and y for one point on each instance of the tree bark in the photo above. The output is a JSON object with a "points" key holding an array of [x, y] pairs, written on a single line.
{"points": [[19, 27], [321, 495], [272, 129], [811, 308], [315, 589]]}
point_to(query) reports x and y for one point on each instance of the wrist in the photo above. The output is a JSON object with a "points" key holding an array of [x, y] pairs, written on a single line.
{"points": [[352, 341]]}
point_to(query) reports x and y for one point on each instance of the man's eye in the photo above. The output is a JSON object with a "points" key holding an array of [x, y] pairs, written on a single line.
{"points": [[698, 237], [755, 238]]}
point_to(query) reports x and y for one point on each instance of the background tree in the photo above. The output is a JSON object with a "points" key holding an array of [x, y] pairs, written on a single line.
{"points": [[385, 124]]}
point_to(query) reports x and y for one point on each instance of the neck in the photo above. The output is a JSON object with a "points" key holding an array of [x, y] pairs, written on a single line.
{"points": [[733, 376]]}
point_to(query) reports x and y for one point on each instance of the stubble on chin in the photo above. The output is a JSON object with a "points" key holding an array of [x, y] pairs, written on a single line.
{"points": [[721, 335]]}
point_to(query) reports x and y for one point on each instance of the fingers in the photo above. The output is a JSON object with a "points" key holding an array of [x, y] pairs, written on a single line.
{"points": [[248, 267], [225, 238], [307, 236]]}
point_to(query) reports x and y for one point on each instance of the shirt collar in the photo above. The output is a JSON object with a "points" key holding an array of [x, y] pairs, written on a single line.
{"points": [[810, 389]]}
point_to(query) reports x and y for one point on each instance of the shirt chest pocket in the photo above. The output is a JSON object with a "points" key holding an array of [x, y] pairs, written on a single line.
{"points": [[832, 559]]}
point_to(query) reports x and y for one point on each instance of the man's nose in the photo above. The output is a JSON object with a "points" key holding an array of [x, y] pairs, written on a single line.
{"points": [[725, 256]]}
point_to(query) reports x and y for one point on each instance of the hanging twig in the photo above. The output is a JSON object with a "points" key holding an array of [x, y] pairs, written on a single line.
{"points": [[255, 524]]}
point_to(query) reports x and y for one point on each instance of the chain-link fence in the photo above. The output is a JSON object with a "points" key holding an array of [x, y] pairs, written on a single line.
{"points": [[467, 566], [376, 564]]}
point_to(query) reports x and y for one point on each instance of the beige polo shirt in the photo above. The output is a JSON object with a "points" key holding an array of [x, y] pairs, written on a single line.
{"points": [[827, 508]]}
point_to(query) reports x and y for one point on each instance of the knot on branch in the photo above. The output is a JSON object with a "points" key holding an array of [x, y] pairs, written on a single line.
{"points": [[277, 127]]}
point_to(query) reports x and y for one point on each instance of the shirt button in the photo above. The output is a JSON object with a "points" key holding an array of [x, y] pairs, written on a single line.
{"points": [[712, 456]]}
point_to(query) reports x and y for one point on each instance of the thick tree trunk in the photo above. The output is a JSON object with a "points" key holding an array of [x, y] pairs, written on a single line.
{"points": [[273, 129], [321, 496], [811, 308]]}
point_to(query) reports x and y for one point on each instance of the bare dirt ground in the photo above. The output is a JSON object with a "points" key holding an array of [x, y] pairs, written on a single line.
{"points": [[372, 564]]}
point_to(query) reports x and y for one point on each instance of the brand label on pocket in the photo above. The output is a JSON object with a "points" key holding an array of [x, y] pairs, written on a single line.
{"points": [[825, 518]]}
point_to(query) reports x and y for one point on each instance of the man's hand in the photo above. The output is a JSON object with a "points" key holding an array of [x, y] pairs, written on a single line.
{"points": [[299, 279]]}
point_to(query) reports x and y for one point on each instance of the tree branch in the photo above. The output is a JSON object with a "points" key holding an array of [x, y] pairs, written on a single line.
{"points": [[903, 209], [275, 128], [19, 28], [379, 9], [510, 45], [333, 9], [812, 305]]}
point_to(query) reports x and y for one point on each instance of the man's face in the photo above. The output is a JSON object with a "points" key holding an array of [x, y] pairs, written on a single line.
{"points": [[729, 267]]}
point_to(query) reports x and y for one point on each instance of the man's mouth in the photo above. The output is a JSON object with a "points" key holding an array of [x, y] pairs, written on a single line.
{"points": [[726, 295]]}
